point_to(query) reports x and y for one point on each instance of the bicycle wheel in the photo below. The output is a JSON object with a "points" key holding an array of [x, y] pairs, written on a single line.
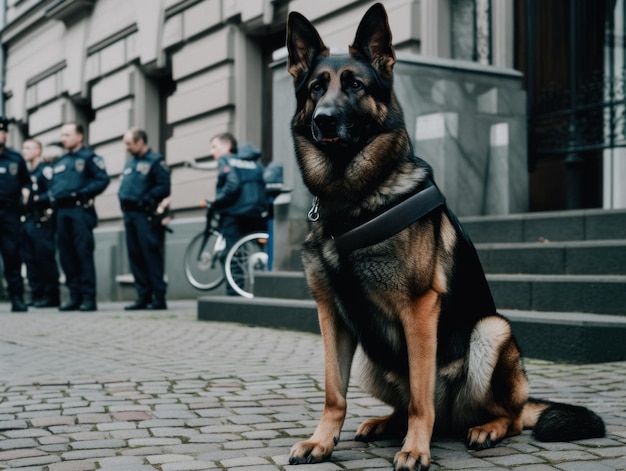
{"points": [[246, 258], [203, 268]]}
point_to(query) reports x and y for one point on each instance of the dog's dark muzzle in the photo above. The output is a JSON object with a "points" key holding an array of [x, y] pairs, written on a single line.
{"points": [[326, 125]]}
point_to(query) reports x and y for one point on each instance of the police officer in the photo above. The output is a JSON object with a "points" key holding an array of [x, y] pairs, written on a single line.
{"points": [[240, 192], [145, 184], [78, 177], [14, 188], [39, 251]]}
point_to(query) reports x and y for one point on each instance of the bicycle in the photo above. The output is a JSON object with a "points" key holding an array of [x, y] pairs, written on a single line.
{"points": [[202, 260], [205, 253], [251, 254]]}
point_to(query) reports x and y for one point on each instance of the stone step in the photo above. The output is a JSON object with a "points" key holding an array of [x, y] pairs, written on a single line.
{"points": [[556, 336], [590, 224], [603, 257], [602, 294], [605, 294]]}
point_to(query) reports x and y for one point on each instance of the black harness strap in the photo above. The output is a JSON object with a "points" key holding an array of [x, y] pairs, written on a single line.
{"points": [[391, 221]]}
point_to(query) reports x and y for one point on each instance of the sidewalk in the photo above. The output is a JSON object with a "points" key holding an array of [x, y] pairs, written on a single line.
{"points": [[141, 391]]}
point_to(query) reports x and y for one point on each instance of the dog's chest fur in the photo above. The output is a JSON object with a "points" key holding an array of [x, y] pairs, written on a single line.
{"points": [[359, 284]]}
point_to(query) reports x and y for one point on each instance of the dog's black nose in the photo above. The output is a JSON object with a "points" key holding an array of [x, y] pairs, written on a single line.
{"points": [[326, 122]]}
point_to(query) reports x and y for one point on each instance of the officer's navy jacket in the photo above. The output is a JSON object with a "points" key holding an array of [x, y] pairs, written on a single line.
{"points": [[79, 175], [40, 181], [146, 180], [240, 185], [13, 176]]}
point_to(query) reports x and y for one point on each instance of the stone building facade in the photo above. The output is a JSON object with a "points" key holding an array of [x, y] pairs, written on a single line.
{"points": [[182, 69], [188, 69]]}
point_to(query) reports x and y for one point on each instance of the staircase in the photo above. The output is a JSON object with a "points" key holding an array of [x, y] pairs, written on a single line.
{"points": [[559, 277]]}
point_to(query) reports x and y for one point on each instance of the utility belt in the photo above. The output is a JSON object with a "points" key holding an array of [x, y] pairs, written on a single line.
{"points": [[9, 204], [128, 205], [42, 214], [73, 203]]}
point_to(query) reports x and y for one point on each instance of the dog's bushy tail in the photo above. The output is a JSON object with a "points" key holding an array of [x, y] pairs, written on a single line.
{"points": [[556, 422]]}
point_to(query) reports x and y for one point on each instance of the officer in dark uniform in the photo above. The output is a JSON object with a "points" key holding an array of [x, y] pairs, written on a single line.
{"points": [[78, 177], [39, 250], [240, 197], [145, 184], [14, 186]]}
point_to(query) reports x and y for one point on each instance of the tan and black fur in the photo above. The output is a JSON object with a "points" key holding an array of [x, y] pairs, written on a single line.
{"points": [[417, 303]]}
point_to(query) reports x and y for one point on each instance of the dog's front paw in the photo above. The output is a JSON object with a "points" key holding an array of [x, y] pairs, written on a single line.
{"points": [[311, 451], [410, 461]]}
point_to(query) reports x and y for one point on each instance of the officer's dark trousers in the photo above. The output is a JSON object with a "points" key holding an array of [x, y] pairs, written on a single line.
{"points": [[145, 242], [10, 239], [76, 245], [234, 228], [39, 254]]}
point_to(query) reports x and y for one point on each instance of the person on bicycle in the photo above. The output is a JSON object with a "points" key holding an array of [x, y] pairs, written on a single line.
{"points": [[240, 197]]}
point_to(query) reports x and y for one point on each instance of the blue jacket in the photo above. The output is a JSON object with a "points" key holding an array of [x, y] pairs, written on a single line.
{"points": [[13, 176], [146, 180], [80, 175], [240, 186]]}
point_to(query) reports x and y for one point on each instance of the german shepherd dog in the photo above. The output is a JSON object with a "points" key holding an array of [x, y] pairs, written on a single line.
{"points": [[417, 301]]}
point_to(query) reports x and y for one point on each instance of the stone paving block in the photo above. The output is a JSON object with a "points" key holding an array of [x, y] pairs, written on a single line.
{"points": [[174, 414], [120, 461], [42, 422], [53, 440], [366, 463], [188, 466], [87, 454], [26, 433], [173, 432], [152, 441], [243, 461], [97, 444], [109, 426], [84, 411], [91, 435], [141, 451], [128, 434], [129, 467], [9, 444], [584, 466], [161, 423], [131, 416], [78, 465], [20, 453], [33, 461], [161, 459], [93, 418]]}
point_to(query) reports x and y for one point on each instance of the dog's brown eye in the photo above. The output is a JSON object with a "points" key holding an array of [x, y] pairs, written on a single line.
{"points": [[316, 87], [356, 85]]}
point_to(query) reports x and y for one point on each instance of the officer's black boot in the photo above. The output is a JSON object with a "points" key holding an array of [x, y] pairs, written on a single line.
{"points": [[142, 303], [72, 305], [158, 302], [18, 304], [88, 304], [47, 301]]}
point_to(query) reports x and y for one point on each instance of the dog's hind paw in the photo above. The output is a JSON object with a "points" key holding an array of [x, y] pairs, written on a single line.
{"points": [[389, 426], [480, 438]]}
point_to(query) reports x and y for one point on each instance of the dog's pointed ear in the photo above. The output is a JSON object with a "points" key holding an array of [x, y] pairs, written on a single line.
{"points": [[373, 41], [304, 44]]}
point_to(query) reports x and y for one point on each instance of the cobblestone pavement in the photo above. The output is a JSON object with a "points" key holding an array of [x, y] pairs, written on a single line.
{"points": [[162, 391]]}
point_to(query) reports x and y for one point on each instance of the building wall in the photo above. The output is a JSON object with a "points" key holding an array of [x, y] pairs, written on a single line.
{"points": [[182, 69]]}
